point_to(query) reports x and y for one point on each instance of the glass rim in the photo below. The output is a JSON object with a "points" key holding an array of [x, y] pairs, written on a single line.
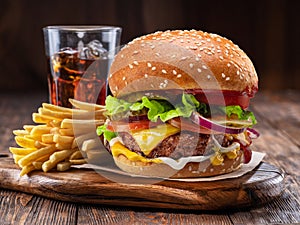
{"points": [[83, 28]]}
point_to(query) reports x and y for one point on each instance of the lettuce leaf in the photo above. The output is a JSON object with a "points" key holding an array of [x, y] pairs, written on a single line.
{"points": [[116, 106], [165, 111], [108, 135], [241, 114]]}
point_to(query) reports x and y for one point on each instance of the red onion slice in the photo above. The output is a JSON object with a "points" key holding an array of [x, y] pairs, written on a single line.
{"points": [[253, 133], [202, 121]]}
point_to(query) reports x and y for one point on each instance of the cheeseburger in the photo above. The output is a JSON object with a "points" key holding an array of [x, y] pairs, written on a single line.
{"points": [[179, 105]]}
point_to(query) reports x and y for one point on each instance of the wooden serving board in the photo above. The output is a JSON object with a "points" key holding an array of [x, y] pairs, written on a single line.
{"points": [[87, 186]]}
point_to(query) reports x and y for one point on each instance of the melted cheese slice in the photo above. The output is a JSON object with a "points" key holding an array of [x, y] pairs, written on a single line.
{"points": [[119, 149], [148, 139]]}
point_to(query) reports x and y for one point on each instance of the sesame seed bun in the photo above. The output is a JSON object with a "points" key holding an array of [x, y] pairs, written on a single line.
{"points": [[182, 59], [191, 169]]}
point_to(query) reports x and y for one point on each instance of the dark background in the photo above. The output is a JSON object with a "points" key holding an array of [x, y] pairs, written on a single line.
{"points": [[267, 30]]}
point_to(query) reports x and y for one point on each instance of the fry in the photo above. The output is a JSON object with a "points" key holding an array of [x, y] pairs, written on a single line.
{"points": [[66, 132], [56, 158], [21, 151], [28, 159], [63, 166], [76, 155], [61, 146], [85, 105], [59, 115], [37, 118], [63, 139], [27, 169], [77, 161], [90, 144], [47, 138], [20, 132], [25, 142], [40, 130]]}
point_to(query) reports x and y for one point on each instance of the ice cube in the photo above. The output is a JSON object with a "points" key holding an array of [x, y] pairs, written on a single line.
{"points": [[95, 49]]}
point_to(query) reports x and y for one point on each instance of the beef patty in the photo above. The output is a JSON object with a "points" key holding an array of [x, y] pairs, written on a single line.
{"points": [[176, 146]]}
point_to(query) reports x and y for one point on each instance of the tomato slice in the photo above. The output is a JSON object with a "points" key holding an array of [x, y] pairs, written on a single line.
{"points": [[121, 126], [241, 100], [185, 124], [215, 97]]}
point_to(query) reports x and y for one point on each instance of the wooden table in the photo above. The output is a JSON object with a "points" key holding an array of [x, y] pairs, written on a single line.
{"points": [[278, 114]]}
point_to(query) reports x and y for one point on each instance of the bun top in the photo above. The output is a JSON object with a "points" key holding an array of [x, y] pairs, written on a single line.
{"points": [[185, 60]]}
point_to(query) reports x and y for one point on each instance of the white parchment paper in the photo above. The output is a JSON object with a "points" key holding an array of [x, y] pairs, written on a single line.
{"points": [[257, 157]]}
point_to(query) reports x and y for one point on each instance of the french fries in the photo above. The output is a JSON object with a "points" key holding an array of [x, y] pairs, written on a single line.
{"points": [[54, 141]]}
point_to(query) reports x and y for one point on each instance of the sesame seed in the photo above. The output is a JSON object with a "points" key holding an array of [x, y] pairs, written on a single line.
{"points": [[126, 83], [130, 66], [219, 39], [110, 75], [219, 50], [191, 65], [153, 68], [238, 72], [146, 75], [164, 71], [193, 47], [183, 58], [221, 57], [124, 78], [227, 78], [122, 56], [135, 63], [199, 70], [166, 81], [228, 64], [174, 72], [149, 64], [223, 75], [197, 59], [208, 39], [135, 52], [157, 54], [208, 76], [204, 67], [179, 75], [199, 55]]}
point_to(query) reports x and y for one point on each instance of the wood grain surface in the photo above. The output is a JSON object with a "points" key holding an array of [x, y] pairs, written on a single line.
{"points": [[87, 186], [279, 121]]}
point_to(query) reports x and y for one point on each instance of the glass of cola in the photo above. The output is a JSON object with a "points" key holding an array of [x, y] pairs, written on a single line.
{"points": [[78, 59]]}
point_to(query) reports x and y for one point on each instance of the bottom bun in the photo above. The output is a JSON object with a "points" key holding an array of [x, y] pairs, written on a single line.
{"points": [[191, 169]]}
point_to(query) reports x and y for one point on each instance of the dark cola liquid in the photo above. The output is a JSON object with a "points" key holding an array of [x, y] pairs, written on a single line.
{"points": [[70, 76]]}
